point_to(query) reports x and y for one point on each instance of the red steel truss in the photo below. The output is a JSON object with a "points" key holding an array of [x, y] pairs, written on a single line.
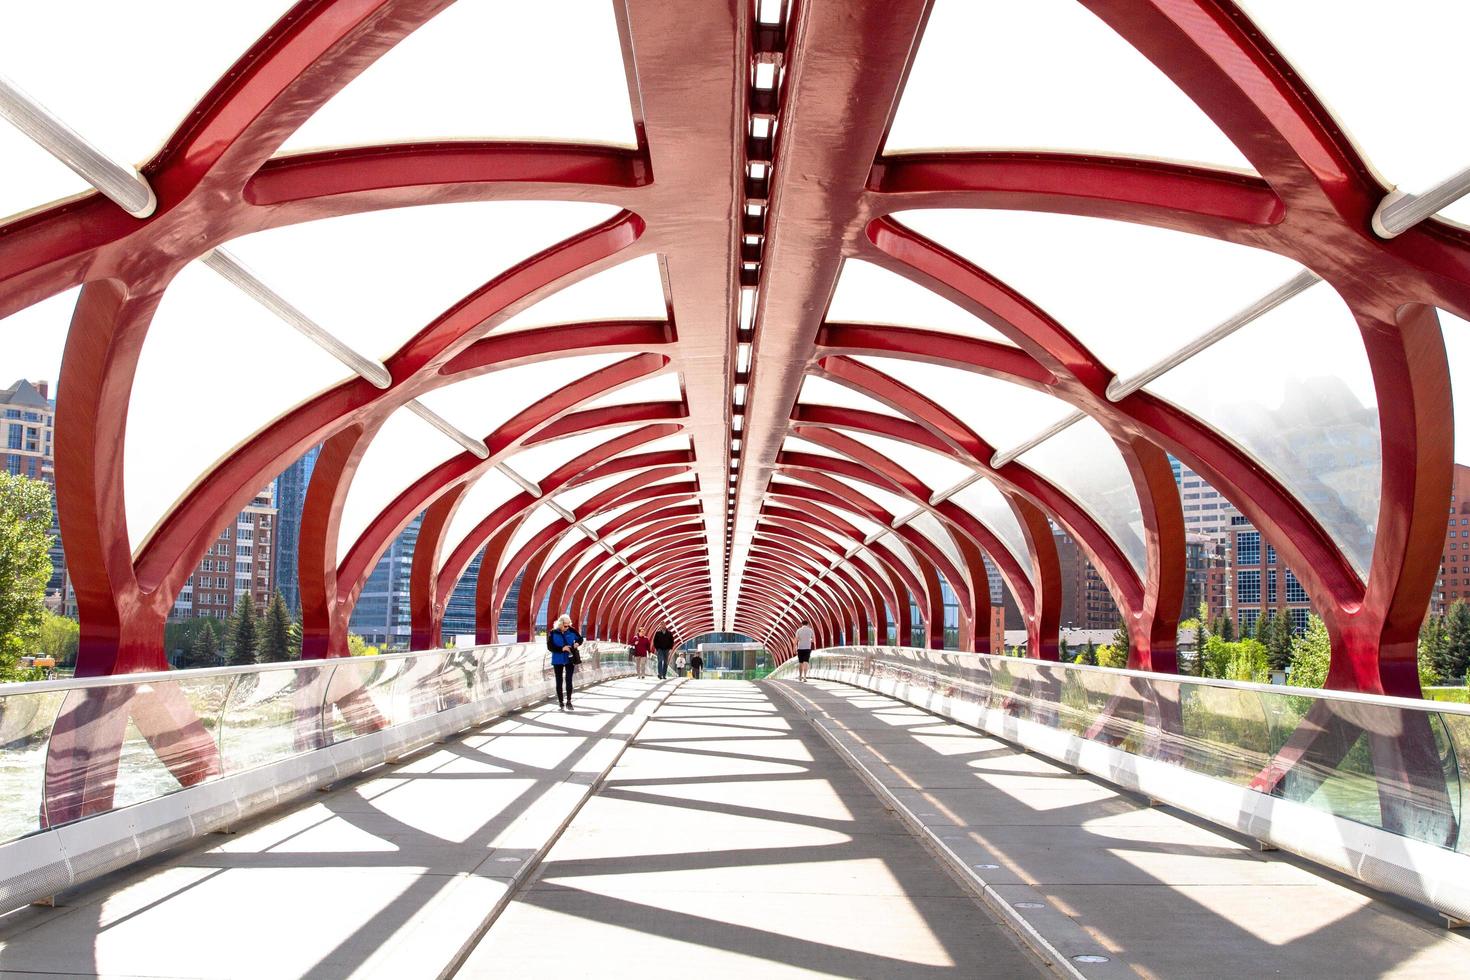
{"points": [[692, 543]]}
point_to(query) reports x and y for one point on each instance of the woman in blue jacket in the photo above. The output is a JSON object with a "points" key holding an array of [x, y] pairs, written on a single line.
{"points": [[563, 641]]}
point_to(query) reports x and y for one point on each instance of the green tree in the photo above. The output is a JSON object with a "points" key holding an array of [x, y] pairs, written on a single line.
{"points": [[1226, 630], [1457, 641], [1110, 655], [1249, 661], [358, 647], [1434, 642], [1261, 633], [1089, 654], [58, 638], [1311, 654], [1215, 657], [1120, 639], [1064, 652], [1279, 639], [201, 648], [275, 633], [295, 635], [25, 566], [245, 636]]}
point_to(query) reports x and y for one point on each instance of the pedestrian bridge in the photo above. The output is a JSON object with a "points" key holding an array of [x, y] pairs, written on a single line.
{"points": [[902, 813]]}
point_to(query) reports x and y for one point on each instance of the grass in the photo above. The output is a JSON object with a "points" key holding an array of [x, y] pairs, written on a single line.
{"points": [[1459, 695]]}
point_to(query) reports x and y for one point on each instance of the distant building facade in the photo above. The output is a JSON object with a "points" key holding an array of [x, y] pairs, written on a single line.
{"points": [[382, 616], [241, 560], [1261, 584], [1086, 601], [1453, 582], [27, 431], [1206, 511], [291, 488]]}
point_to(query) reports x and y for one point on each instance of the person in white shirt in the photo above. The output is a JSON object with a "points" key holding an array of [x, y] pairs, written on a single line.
{"points": [[805, 640]]}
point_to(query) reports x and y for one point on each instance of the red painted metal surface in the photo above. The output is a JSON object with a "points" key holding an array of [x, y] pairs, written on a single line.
{"points": [[831, 194]]}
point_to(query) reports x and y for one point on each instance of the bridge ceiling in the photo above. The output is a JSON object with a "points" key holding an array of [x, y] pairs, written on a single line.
{"points": [[835, 301]]}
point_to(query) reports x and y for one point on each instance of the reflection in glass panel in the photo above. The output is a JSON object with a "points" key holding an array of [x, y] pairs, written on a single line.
{"points": [[1131, 293], [1001, 413], [492, 489], [403, 451], [25, 726], [197, 393], [1084, 462], [446, 251], [550, 70], [1295, 391], [1045, 74], [990, 507], [631, 290], [868, 293], [1391, 81]]}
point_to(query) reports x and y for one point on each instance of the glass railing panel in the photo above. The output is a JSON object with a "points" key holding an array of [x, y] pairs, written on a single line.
{"points": [[1388, 763], [25, 726], [360, 697], [273, 715]]}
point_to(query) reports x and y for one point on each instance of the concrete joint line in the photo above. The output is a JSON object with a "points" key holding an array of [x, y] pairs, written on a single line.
{"points": [[642, 709], [1048, 954]]}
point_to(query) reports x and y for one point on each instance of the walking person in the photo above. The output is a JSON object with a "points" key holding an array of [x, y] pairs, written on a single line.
{"points": [[663, 642], [564, 642], [641, 646], [696, 664], [679, 664], [805, 640]]}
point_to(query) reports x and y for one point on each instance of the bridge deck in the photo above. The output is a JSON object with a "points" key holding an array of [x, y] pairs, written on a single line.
{"points": [[717, 829]]}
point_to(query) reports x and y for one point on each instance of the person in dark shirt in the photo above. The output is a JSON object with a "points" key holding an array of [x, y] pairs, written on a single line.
{"points": [[663, 643]]}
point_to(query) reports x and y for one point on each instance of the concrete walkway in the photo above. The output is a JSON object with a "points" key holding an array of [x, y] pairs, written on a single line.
{"points": [[731, 841], [1156, 892], [394, 875]]}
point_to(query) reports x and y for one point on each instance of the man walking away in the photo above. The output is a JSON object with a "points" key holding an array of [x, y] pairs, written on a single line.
{"points": [[640, 653], [805, 640], [663, 642]]}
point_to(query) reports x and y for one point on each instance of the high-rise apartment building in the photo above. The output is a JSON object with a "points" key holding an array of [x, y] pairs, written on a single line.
{"points": [[1261, 584], [1205, 579], [1206, 511], [240, 560], [27, 430], [1086, 601], [1454, 565]]}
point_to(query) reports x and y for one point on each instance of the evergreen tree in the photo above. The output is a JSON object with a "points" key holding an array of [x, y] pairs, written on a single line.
{"points": [[294, 632], [1279, 641], [275, 634], [1089, 654], [1064, 653], [1457, 641], [1226, 632], [1120, 641], [203, 649], [244, 638], [1201, 639], [1434, 643], [1261, 633]]}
